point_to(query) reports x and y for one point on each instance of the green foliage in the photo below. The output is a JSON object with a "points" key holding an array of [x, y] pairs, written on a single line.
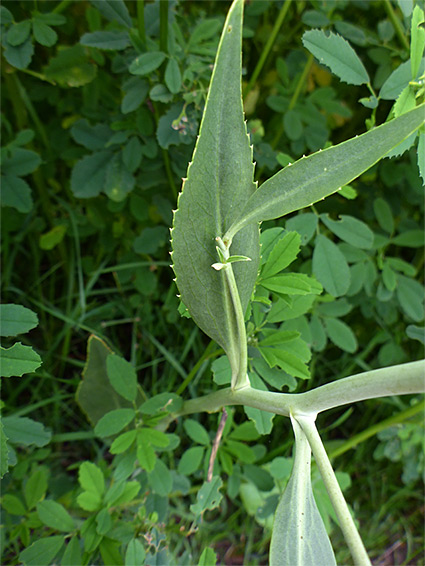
{"points": [[299, 535], [102, 103], [214, 188]]}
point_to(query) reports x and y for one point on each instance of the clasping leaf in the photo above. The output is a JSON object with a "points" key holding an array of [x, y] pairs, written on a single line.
{"points": [[218, 185], [299, 536]]}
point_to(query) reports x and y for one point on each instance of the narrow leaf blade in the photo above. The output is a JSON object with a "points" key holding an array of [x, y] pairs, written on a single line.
{"points": [[319, 175]]}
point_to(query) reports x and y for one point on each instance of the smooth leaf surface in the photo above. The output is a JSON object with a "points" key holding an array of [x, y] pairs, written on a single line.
{"points": [[219, 182], [16, 319], [21, 162], [135, 553], [208, 557], [196, 432], [299, 536], [55, 516], [319, 175], [282, 254], [89, 174], [91, 478], [351, 230], [122, 376], [43, 33], [191, 460], [114, 421], [114, 10], [95, 394], [72, 554], [36, 487], [330, 267], [146, 63], [113, 40], [160, 479], [335, 52], [42, 552], [341, 334], [398, 80]]}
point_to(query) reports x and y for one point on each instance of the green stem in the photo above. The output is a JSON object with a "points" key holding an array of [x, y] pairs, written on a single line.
{"points": [[295, 96], [163, 26], [238, 350], [342, 511], [190, 376], [141, 20], [241, 379], [62, 6], [169, 172], [32, 112], [267, 47], [404, 379], [396, 24], [378, 427]]}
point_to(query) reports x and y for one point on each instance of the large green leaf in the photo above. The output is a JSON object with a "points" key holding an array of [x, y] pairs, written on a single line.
{"points": [[299, 536], [42, 552], [319, 175], [219, 183], [95, 394]]}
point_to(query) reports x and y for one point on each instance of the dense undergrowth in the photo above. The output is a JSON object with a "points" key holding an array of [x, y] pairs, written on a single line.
{"points": [[101, 105]]}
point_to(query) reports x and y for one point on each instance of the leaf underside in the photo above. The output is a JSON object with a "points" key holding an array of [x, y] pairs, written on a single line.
{"points": [[219, 183]]}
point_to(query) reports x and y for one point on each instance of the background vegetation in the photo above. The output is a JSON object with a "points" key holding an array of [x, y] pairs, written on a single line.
{"points": [[101, 104]]}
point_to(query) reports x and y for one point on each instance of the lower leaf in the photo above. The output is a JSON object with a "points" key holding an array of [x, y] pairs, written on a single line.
{"points": [[299, 536]]}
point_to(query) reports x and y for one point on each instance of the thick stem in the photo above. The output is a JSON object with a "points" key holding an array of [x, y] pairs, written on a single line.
{"points": [[241, 379], [403, 379], [342, 511]]}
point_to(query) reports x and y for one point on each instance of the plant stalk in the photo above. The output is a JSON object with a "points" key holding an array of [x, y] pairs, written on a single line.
{"points": [[404, 379], [401, 34], [267, 48], [342, 511]]}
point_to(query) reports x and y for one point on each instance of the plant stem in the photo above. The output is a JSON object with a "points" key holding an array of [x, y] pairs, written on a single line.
{"points": [[241, 379], [403, 379], [169, 172], [342, 511], [207, 354], [62, 6], [267, 47], [294, 98], [239, 347], [141, 20], [163, 25], [396, 23]]}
